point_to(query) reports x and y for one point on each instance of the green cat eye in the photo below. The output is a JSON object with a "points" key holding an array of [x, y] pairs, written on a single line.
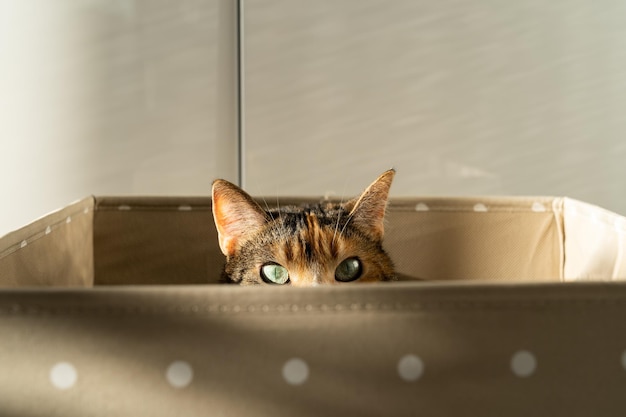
{"points": [[274, 274], [348, 270]]}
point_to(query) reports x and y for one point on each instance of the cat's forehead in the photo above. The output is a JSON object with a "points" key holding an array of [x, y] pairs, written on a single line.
{"points": [[308, 223], [307, 235], [319, 210]]}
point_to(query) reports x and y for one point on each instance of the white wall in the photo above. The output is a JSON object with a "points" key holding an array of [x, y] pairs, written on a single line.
{"points": [[139, 97], [113, 97], [462, 97]]}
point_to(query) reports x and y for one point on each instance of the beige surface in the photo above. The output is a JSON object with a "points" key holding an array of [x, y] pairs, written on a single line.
{"points": [[54, 251], [463, 98], [172, 240], [352, 339], [507, 337]]}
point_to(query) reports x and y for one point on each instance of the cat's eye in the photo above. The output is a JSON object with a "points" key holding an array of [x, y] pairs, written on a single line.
{"points": [[348, 270], [274, 274]]}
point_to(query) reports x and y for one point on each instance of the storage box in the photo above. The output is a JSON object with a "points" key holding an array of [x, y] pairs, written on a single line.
{"points": [[110, 307]]}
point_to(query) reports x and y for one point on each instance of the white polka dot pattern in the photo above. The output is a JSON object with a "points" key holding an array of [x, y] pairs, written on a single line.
{"points": [[179, 374], [537, 207], [480, 208], [523, 363], [410, 368], [295, 371], [63, 375]]}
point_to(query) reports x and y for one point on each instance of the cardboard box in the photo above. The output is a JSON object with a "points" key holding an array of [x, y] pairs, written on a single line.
{"points": [[109, 307]]}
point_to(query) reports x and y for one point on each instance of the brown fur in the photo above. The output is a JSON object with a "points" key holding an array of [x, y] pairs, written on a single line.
{"points": [[310, 241]]}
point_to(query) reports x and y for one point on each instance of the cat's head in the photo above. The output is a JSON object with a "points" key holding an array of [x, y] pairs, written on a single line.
{"points": [[302, 246]]}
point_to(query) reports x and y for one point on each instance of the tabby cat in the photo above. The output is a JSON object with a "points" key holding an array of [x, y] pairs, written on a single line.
{"points": [[303, 246]]}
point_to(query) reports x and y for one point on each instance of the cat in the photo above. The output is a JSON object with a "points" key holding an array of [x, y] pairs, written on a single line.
{"points": [[325, 243]]}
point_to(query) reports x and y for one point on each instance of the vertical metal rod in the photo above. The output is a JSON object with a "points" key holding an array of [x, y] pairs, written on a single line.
{"points": [[241, 131]]}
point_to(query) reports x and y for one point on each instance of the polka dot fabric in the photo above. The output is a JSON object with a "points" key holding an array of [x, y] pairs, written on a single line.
{"points": [[498, 348], [394, 350]]}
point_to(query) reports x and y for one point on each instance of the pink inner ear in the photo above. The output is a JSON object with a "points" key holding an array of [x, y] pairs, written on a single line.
{"points": [[228, 232], [237, 216]]}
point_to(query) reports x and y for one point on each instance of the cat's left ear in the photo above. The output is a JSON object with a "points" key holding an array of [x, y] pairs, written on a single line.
{"points": [[368, 211], [237, 216]]}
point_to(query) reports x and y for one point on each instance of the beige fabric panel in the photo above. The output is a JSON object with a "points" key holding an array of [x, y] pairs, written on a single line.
{"points": [[498, 350], [429, 348], [595, 243], [155, 241], [143, 240], [173, 240], [492, 239], [56, 250]]}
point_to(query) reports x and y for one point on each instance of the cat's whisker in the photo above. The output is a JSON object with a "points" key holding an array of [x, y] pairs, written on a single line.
{"points": [[338, 219], [344, 226], [343, 194], [336, 228], [267, 208]]}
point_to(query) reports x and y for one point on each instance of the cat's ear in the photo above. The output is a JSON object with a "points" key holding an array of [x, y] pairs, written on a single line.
{"points": [[236, 215], [367, 212]]}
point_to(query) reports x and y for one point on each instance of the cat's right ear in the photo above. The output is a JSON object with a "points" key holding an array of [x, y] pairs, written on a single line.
{"points": [[236, 215]]}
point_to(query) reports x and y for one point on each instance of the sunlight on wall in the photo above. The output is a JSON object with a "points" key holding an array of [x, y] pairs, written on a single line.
{"points": [[45, 82], [113, 97]]}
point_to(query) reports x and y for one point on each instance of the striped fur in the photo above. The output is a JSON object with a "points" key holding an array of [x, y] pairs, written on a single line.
{"points": [[310, 241]]}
